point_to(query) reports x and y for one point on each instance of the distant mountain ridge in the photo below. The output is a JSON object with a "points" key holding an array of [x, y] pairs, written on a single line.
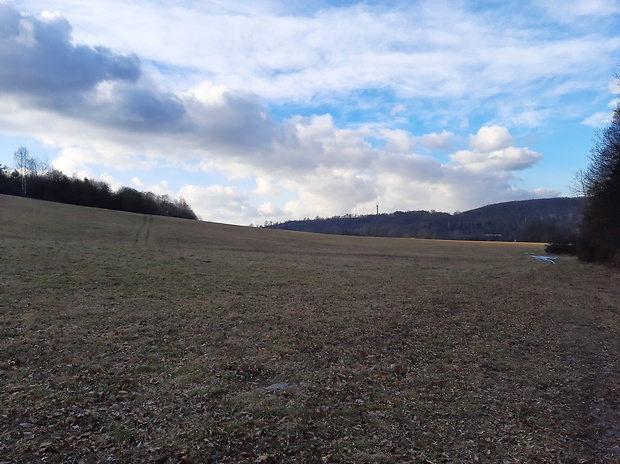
{"points": [[540, 220]]}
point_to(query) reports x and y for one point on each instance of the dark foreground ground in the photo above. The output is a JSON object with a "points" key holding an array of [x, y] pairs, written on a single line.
{"points": [[129, 338]]}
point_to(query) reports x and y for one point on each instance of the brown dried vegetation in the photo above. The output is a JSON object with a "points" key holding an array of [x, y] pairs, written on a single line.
{"points": [[126, 338]]}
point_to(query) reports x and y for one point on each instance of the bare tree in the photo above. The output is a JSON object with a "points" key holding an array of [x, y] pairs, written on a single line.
{"points": [[29, 166], [37, 167], [600, 233], [579, 185], [22, 161]]}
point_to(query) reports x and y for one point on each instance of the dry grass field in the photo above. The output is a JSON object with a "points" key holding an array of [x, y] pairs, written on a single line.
{"points": [[130, 338]]}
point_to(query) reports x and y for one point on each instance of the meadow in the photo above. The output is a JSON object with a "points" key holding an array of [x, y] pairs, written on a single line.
{"points": [[132, 338]]}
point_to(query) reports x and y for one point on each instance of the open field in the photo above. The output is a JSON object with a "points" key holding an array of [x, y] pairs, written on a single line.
{"points": [[127, 338]]}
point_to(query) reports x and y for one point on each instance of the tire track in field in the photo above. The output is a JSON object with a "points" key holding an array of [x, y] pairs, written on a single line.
{"points": [[144, 232]]}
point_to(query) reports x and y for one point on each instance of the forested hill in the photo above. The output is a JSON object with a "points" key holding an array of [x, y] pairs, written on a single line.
{"points": [[542, 220]]}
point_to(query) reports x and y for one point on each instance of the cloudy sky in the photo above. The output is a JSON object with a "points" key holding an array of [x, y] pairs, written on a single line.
{"points": [[268, 110]]}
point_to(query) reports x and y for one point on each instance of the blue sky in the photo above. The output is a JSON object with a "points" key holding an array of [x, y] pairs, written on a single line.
{"points": [[273, 110]]}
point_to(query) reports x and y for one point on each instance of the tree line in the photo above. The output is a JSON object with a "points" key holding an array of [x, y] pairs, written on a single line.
{"points": [[34, 178]]}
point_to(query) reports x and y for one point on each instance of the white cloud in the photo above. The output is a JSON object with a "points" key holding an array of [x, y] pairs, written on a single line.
{"points": [[574, 10], [111, 181], [424, 185], [598, 120], [328, 191], [220, 203], [491, 138], [397, 140], [307, 144], [40, 61], [505, 159], [525, 117], [74, 161], [603, 118], [434, 141], [270, 210], [411, 166], [398, 108], [162, 188], [545, 193], [492, 150], [265, 188]]}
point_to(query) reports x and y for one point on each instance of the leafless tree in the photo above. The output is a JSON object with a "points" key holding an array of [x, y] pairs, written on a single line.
{"points": [[601, 183], [22, 161]]}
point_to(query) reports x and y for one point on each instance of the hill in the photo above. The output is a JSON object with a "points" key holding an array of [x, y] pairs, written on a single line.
{"points": [[133, 338], [542, 220]]}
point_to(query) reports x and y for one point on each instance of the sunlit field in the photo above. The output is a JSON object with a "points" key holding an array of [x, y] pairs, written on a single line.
{"points": [[131, 338]]}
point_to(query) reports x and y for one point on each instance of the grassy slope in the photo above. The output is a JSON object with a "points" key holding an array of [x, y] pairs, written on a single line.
{"points": [[132, 338]]}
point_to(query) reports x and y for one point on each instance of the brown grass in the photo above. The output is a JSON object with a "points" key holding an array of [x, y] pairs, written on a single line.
{"points": [[127, 338]]}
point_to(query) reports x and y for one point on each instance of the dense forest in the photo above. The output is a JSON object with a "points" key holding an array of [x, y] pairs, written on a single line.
{"points": [[544, 220], [51, 185]]}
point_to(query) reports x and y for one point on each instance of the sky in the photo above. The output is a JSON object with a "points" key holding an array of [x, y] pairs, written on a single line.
{"points": [[273, 110]]}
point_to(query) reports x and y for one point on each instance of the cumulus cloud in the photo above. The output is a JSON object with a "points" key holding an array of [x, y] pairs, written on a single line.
{"points": [[223, 118], [162, 188], [397, 140], [505, 159], [491, 138], [304, 144], [492, 150], [270, 210], [111, 181], [421, 183], [39, 59], [43, 68], [328, 191], [411, 166], [265, 188], [223, 203]]}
